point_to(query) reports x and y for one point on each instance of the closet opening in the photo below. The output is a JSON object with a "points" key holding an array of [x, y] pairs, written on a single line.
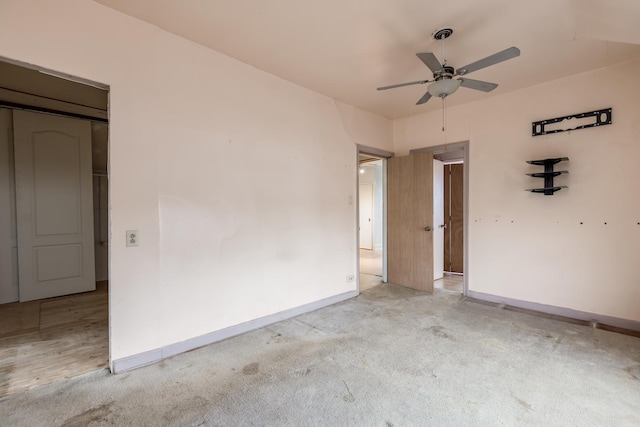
{"points": [[54, 262]]}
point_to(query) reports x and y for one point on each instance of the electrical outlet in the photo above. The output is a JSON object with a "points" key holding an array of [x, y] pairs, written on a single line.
{"points": [[351, 278], [132, 238]]}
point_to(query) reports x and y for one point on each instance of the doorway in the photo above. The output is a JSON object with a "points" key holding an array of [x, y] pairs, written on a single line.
{"points": [[371, 217], [452, 227], [453, 259], [450, 204], [54, 257], [370, 220]]}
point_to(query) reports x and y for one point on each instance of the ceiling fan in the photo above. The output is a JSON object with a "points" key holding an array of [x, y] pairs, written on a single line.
{"points": [[443, 83]]}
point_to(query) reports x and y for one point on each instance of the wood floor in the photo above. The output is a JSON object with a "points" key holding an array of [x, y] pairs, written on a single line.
{"points": [[50, 340], [371, 273], [450, 282], [370, 269], [371, 262]]}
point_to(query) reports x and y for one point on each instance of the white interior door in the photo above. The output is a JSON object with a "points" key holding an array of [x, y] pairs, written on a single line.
{"points": [[438, 219], [53, 205], [366, 216]]}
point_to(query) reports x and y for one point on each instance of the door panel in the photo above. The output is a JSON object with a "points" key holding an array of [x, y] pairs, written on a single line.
{"points": [[54, 205], [56, 183], [410, 210], [57, 262], [366, 216]]}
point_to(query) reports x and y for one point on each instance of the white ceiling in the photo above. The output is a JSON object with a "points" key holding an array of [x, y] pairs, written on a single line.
{"points": [[346, 48]]}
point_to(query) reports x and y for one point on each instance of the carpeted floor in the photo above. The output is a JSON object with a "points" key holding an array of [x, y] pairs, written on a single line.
{"points": [[390, 357]]}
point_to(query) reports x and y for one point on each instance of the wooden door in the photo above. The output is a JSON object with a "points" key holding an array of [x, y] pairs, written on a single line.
{"points": [[410, 221], [454, 209], [53, 205], [366, 216], [438, 219]]}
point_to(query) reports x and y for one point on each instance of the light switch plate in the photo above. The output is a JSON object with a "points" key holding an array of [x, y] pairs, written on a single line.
{"points": [[132, 238]]}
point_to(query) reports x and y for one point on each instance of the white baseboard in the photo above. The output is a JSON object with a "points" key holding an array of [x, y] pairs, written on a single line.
{"points": [[602, 319], [152, 356]]}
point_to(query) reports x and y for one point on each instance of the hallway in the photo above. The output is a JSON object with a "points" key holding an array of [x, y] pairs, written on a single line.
{"points": [[370, 269]]}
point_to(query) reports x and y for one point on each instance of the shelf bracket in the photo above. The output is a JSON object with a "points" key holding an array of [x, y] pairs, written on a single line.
{"points": [[600, 118], [549, 174]]}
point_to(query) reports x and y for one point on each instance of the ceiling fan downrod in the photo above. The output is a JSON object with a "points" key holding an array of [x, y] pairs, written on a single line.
{"points": [[441, 35]]}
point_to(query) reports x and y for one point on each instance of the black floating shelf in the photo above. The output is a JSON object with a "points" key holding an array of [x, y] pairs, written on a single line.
{"points": [[549, 174], [545, 162], [545, 174], [547, 190]]}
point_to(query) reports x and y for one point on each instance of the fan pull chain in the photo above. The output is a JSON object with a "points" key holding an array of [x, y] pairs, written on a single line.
{"points": [[443, 101]]}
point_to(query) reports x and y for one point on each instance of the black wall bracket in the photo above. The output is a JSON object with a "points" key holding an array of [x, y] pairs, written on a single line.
{"points": [[549, 174], [601, 118]]}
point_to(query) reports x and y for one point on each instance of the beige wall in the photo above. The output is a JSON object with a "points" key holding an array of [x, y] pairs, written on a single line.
{"points": [[191, 131], [532, 247], [219, 247]]}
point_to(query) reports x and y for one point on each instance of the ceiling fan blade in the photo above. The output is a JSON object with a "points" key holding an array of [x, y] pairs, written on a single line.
{"points": [[477, 84], [512, 52], [418, 82], [430, 61], [425, 98]]}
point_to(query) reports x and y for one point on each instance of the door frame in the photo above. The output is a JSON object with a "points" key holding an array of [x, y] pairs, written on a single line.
{"points": [[464, 147], [382, 155], [64, 108]]}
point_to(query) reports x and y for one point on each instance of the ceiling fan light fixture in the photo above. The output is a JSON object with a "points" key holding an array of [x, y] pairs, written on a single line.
{"points": [[443, 88]]}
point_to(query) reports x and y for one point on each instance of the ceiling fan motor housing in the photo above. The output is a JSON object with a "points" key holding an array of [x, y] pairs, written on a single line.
{"points": [[445, 73]]}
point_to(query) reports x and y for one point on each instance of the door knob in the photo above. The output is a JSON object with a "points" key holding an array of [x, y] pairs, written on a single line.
{"points": [[443, 226], [427, 228]]}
